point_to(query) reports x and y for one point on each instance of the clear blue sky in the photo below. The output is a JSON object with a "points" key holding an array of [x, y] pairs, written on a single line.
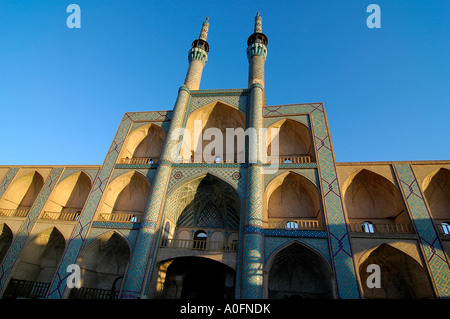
{"points": [[63, 92]]}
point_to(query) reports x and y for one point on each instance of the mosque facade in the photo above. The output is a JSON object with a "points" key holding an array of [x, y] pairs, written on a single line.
{"points": [[267, 213]]}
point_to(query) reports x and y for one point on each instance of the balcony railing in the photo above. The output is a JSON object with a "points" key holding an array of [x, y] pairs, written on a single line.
{"points": [[120, 217], [26, 289], [14, 212], [289, 159], [200, 245], [202, 160], [293, 224], [93, 293], [380, 228], [139, 160], [68, 216], [270, 159]]}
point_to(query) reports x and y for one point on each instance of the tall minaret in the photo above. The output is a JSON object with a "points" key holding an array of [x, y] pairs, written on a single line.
{"points": [[251, 283], [257, 53], [137, 279], [198, 56]]}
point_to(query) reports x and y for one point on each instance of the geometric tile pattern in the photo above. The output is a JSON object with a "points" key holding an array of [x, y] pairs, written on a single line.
{"points": [[430, 244], [340, 248], [7, 180], [26, 227], [236, 98], [251, 269]]}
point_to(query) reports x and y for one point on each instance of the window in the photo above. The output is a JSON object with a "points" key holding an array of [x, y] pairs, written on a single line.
{"points": [[446, 228], [200, 240], [367, 227], [291, 225]]}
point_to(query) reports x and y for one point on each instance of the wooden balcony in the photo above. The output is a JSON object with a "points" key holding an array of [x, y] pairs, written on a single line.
{"points": [[293, 224], [381, 228], [139, 160], [67, 216], [14, 212], [133, 217], [200, 245]]}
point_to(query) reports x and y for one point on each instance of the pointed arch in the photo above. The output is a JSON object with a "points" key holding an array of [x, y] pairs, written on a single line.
{"points": [[6, 238], [22, 193], [126, 194], [298, 271], [401, 276], [437, 193], [370, 196], [69, 196], [103, 262], [145, 142], [291, 195], [40, 257], [218, 117], [295, 139], [205, 201]]}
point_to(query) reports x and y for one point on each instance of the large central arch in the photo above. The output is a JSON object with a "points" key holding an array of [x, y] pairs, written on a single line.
{"points": [[197, 278]]}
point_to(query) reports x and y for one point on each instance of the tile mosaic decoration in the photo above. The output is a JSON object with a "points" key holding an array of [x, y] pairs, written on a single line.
{"points": [[6, 181], [430, 244]]}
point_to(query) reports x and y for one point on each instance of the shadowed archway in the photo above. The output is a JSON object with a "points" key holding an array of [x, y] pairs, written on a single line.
{"points": [[299, 272], [402, 277]]}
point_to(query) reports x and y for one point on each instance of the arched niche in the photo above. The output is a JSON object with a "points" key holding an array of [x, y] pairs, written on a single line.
{"points": [[143, 145], [214, 118], [22, 193], [104, 261], [297, 271], [291, 196], [6, 237], [294, 141], [40, 257], [437, 194], [371, 197], [127, 194], [69, 196], [206, 202], [401, 276]]}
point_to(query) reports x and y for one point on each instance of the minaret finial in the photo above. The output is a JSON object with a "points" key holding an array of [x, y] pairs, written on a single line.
{"points": [[258, 23], [204, 33]]}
